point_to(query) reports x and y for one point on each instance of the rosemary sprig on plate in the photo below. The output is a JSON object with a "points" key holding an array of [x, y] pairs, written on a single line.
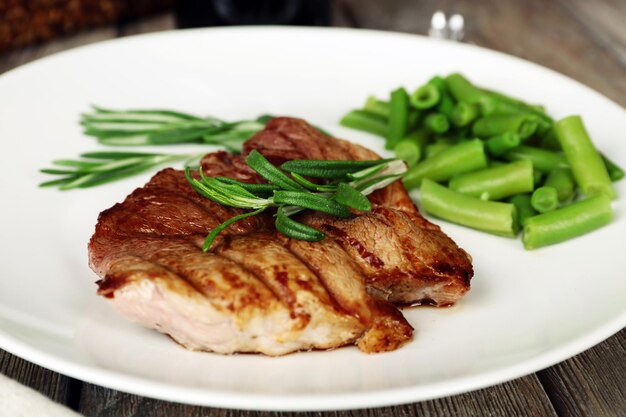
{"points": [[142, 127], [97, 168], [350, 183]]}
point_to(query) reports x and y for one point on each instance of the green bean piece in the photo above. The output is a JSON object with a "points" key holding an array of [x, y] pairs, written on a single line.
{"points": [[437, 122], [414, 119], [543, 160], [489, 216], [438, 82], [539, 108], [500, 144], [533, 109], [587, 166], [544, 127], [549, 141], [562, 180], [537, 177], [421, 136], [524, 208], [615, 172], [488, 126], [435, 148], [446, 105], [461, 134], [425, 97], [447, 139], [496, 183], [568, 222], [398, 117], [491, 106], [464, 113], [377, 107], [464, 157], [544, 199], [409, 151], [463, 90], [365, 121]]}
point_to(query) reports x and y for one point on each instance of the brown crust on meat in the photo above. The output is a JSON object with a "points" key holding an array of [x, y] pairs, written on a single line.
{"points": [[252, 273]]}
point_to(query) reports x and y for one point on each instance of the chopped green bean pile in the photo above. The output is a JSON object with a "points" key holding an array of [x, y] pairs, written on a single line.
{"points": [[494, 163]]}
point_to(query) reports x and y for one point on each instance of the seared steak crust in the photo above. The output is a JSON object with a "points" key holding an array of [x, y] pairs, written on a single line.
{"points": [[257, 290]]}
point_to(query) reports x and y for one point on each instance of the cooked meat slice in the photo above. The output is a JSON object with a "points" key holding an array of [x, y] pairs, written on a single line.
{"points": [[387, 328], [219, 307], [252, 294], [258, 291], [223, 164], [311, 306], [402, 262], [405, 258]]}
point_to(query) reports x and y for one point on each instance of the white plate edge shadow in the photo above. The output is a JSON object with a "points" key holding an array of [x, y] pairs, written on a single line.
{"points": [[301, 402]]}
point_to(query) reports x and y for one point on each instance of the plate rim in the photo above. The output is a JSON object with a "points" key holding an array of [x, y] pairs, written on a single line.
{"points": [[315, 402], [300, 402]]}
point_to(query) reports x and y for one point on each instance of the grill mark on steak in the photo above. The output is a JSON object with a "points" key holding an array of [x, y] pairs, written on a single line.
{"points": [[279, 269], [367, 256], [449, 263], [339, 302], [386, 328]]}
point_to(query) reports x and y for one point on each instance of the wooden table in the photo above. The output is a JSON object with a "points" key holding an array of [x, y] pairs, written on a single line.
{"points": [[584, 40]]}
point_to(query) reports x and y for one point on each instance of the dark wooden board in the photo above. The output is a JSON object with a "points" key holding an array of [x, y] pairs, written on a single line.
{"points": [[524, 396], [55, 386], [592, 383]]}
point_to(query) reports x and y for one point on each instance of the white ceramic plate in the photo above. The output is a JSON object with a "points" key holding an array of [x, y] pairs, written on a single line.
{"points": [[526, 310]]}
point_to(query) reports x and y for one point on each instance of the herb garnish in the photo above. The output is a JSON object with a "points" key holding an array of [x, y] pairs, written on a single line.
{"points": [[350, 182], [97, 168], [166, 127], [140, 127]]}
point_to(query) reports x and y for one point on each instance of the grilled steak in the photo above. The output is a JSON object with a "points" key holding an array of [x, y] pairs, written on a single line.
{"points": [[257, 290]]}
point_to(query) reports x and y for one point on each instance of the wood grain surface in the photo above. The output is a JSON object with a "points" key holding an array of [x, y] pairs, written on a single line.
{"points": [[582, 39]]}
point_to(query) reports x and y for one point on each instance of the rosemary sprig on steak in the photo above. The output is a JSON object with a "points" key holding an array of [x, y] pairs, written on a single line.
{"points": [[350, 183]]}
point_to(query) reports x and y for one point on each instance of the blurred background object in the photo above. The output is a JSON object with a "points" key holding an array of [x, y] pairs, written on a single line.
{"points": [[25, 22], [198, 13]]}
